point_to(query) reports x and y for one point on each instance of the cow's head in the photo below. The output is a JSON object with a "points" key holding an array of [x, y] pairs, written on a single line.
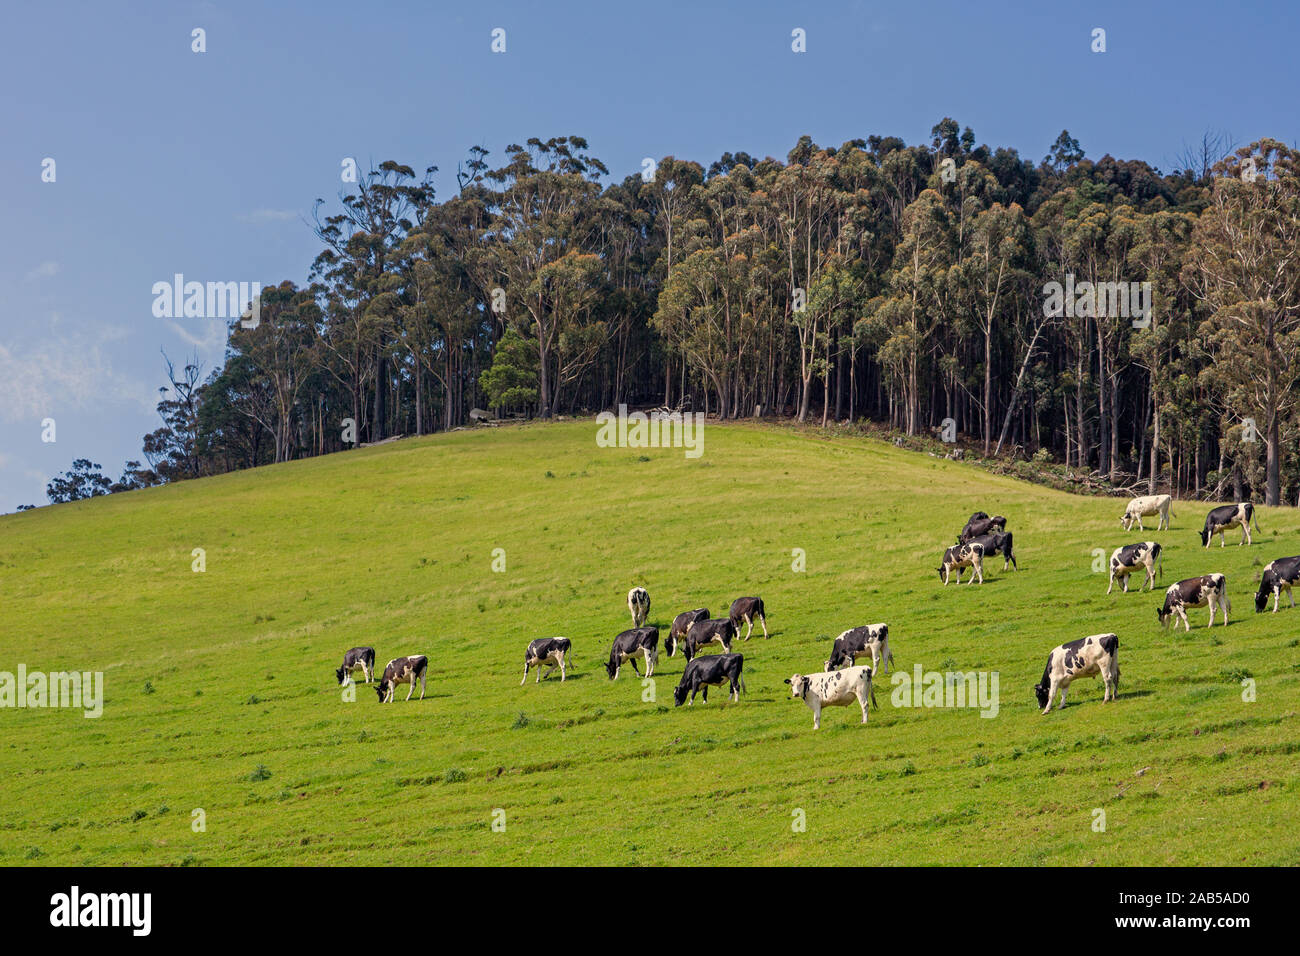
{"points": [[1205, 536], [839, 658], [382, 690], [1261, 597], [1040, 692], [341, 674], [1125, 520], [679, 695], [798, 686], [1163, 614], [611, 666]]}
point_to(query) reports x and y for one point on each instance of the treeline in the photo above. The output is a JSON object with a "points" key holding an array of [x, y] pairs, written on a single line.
{"points": [[874, 280]]}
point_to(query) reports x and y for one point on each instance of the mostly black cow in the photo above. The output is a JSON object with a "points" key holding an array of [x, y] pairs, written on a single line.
{"points": [[998, 542], [870, 639], [681, 625], [963, 556], [1208, 589], [358, 657], [1226, 517], [1128, 558], [979, 524], [402, 670], [713, 631], [748, 610], [1280, 575], [1086, 657], [640, 642], [713, 670], [547, 650]]}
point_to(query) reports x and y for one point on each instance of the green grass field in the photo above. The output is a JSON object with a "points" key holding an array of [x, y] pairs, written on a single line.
{"points": [[220, 689]]}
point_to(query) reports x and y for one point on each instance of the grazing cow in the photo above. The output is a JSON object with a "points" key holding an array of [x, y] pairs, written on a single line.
{"points": [[363, 657], [402, 670], [870, 639], [682, 624], [1146, 505], [997, 542], [748, 609], [1225, 517], [1211, 589], [1127, 559], [962, 556], [720, 630], [981, 524], [1086, 657], [638, 602], [640, 642], [547, 650], [715, 670], [834, 689], [1279, 575]]}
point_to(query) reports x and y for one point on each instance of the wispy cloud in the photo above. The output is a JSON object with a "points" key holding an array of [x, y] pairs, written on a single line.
{"points": [[46, 270], [259, 216], [66, 373]]}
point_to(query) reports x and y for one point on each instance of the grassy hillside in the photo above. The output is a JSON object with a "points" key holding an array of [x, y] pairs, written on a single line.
{"points": [[220, 691]]}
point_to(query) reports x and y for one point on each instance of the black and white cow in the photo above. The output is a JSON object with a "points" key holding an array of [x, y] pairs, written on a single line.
{"points": [[721, 630], [834, 689], [870, 639], [547, 650], [638, 602], [1225, 517], [682, 624], [640, 642], [980, 524], [402, 670], [1144, 506], [1128, 558], [747, 610], [997, 542], [963, 556], [1097, 655], [715, 670], [1278, 576], [363, 657], [1208, 589]]}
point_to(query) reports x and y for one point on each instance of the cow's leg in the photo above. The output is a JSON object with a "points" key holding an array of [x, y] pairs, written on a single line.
{"points": [[632, 661], [979, 568], [1186, 623], [817, 715], [521, 683], [1051, 693], [1140, 528], [862, 702], [564, 663], [704, 692], [1290, 597], [762, 619], [1065, 689], [1245, 534]]}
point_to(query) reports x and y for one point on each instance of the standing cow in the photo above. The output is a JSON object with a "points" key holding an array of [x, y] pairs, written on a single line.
{"points": [[1226, 517], [1280, 575], [962, 556], [870, 639], [979, 524], [402, 670], [1209, 589], [747, 610], [1128, 558], [834, 689], [638, 602], [721, 631], [682, 625], [1146, 505], [362, 657], [547, 650], [1086, 657], [997, 542], [715, 670], [640, 642]]}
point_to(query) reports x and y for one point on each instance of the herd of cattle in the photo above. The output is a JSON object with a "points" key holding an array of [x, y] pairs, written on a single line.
{"points": [[843, 680]]}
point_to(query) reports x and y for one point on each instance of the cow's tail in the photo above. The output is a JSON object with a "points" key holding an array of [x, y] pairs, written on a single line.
{"points": [[1254, 517]]}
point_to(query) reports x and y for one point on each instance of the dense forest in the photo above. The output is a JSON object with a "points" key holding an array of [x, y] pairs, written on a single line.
{"points": [[878, 281]]}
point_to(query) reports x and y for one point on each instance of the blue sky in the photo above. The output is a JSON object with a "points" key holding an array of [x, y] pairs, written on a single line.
{"points": [[208, 164]]}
